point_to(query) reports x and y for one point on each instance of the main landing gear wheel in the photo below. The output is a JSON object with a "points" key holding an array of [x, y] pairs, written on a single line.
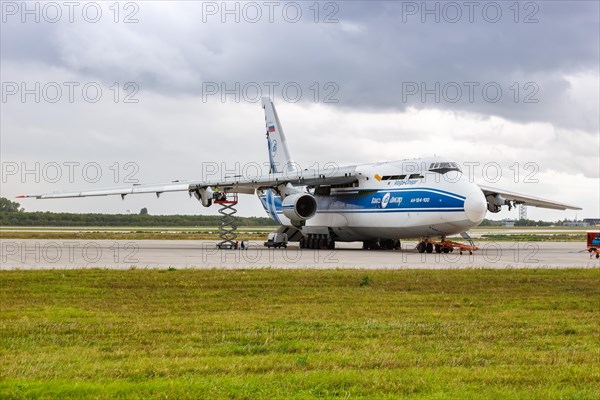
{"points": [[316, 242]]}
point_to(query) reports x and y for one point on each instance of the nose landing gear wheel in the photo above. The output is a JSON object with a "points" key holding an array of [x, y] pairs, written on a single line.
{"points": [[429, 247], [425, 246]]}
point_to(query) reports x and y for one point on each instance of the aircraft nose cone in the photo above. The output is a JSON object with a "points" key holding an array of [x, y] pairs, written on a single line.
{"points": [[476, 206]]}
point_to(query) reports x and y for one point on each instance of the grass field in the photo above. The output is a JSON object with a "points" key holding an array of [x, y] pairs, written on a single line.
{"points": [[134, 235], [482, 234], [189, 334], [130, 233], [534, 237]]}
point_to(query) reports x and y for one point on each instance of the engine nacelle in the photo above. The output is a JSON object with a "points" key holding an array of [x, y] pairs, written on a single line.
{"points": [[299, 206], [204, 196], [494, 208], [495, 203]]}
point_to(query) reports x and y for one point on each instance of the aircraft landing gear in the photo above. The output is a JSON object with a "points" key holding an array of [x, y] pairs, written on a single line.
{"points": [[381, 244], [439, 248], [425, 246], [317, 242], [447, 246]]}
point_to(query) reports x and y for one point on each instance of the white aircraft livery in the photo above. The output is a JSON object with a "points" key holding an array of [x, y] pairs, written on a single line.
{"points": [[378, 203]]}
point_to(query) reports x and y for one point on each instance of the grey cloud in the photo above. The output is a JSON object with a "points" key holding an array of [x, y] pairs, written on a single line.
{"points": [[369, 54], [174, 52]]}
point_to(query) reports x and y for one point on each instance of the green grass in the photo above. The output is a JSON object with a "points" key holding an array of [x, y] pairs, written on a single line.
{"points": [[131, 233], [131, 228], [259, 233], [539, 237], [244, 334]]}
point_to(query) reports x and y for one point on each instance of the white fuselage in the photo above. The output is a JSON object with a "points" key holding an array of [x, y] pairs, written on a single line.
{"points": [[394, 200]]}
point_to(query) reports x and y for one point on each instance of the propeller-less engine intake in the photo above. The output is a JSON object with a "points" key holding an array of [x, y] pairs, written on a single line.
{"points": [[299, 206]]}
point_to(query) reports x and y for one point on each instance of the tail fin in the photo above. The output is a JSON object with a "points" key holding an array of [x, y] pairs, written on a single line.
{"points": [[279, 155]]}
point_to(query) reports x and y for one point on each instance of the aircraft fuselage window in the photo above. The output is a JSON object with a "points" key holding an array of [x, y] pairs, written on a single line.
{"points": [[393, 178]]}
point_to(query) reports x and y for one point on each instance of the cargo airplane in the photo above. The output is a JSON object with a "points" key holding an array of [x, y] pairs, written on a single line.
{"points": [[377, 204]]}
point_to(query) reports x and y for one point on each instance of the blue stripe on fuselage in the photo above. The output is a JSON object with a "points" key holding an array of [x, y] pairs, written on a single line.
{"points": [[372, 201], [345, 192]]}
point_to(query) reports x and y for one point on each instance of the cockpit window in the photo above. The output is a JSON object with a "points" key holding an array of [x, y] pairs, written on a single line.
{"points": [[443, 167]]}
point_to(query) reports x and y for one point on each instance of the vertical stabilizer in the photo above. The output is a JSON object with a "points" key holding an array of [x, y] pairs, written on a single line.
{"points": [[279, 155]]}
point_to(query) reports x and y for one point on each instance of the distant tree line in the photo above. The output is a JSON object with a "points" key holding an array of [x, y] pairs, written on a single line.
{"points": [[11, 214], [69, 219], [530, 222], [521, 222]]}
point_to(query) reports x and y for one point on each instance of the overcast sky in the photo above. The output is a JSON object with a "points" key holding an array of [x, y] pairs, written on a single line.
{"points": [[487, 84]]}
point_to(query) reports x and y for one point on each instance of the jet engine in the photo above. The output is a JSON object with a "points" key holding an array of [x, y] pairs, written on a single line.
{"points": [[495, 203], [299, 206]]}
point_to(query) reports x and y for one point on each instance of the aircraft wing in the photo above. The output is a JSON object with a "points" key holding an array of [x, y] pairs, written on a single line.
{"points": [[526, 200], [307, 177]]}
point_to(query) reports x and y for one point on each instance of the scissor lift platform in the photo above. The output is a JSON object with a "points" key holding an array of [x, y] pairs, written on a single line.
{"points": [[228, 228]]}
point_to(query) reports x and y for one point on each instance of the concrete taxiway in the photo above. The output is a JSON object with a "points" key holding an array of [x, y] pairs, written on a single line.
{"points": [[69, 254]]}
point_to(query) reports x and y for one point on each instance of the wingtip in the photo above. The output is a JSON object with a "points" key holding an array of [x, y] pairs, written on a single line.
{"points": [[572, 207]]}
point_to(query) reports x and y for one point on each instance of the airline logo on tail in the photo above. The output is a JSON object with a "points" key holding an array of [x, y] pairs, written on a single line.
{"points": [[279, 155]]}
